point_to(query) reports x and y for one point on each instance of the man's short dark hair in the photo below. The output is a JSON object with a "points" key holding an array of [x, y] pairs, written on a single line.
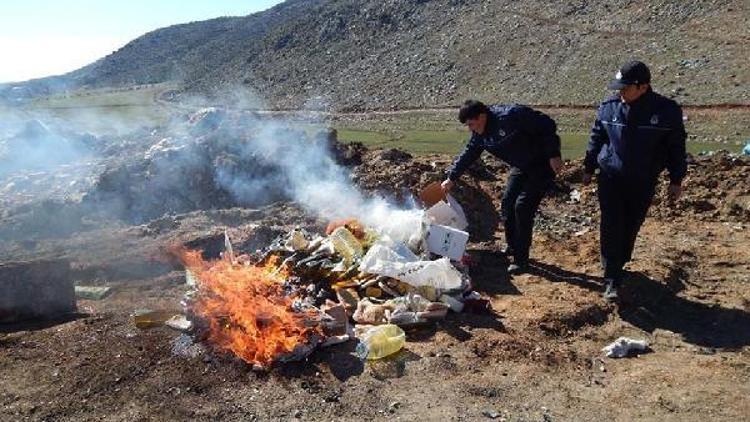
{"points": [[471, 110]]}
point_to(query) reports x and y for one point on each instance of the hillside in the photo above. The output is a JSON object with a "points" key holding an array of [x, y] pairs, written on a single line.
{"points": [[374, 54]]}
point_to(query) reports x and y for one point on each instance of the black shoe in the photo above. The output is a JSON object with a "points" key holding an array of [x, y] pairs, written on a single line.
{"points": [[507, 251], [610, 290], [518, 268]]}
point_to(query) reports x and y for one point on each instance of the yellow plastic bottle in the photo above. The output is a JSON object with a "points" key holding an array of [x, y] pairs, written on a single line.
{"points": [[346, 245], [381, 341]]}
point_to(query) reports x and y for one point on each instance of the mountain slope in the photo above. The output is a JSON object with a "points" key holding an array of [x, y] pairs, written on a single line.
{"points": [[422, 53]]}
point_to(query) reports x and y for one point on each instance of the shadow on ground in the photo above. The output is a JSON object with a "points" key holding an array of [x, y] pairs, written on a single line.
{"points": [[649, 304]]}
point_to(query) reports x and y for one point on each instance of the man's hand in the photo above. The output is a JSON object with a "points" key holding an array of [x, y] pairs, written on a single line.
{"points": [[674, 192], [447, 185], [586, 178], [556, 163]]}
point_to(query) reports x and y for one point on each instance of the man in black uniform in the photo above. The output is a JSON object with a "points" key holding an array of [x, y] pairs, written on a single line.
{"points": [[636, 134], [527, 140]]}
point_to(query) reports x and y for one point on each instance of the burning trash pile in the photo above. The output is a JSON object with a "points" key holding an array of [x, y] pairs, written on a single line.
{"points": [[303, 290]]}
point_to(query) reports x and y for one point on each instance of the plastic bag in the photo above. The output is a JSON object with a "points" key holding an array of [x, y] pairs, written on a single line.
{"points": [[448, 213], [623, 346], [439, 274]]}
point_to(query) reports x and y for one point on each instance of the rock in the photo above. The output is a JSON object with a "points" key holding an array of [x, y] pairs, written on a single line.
{"points": [[491, 413], [35, 290], [92, 292]]}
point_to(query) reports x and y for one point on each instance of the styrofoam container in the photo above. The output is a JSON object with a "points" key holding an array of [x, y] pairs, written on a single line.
{"points": [[446, 241]]}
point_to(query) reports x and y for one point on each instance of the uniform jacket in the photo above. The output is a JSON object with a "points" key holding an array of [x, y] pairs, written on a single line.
{"points": [[637, 141], [519, 135]]}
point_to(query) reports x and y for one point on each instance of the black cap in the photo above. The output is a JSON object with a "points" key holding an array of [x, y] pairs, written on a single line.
{"points": [[631, 73]]}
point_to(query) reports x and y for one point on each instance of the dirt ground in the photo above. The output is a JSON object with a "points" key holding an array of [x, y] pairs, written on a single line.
{"points": [[535, 357]]}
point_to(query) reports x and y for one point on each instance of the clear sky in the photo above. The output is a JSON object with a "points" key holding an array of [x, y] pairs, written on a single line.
{"points": [[49, 37]]}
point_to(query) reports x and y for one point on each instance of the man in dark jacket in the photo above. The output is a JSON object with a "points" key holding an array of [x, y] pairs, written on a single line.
{"points": [[636, 134], [527, 140]]}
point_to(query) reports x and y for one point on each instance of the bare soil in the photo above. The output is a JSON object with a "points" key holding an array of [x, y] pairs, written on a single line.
{"points": [[536, 356]]}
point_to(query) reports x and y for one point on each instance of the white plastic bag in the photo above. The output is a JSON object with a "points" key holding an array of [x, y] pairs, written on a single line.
{"points": [[395, 260], [448, 213], [623, 346]]}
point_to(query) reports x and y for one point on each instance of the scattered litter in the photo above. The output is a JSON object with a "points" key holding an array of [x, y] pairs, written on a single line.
{"points": [[334, 340], [345, 244], [575, 196], [448, 213], [179, 323], [746, 149], [92, 292], [297, 241], [623, 346], [184, 346], [581, 232], [381, 341], [190, 279], [149, 319], [277, 304], [454, 304], [371, 313], [491, 413], [391, 259], [447, 241]]}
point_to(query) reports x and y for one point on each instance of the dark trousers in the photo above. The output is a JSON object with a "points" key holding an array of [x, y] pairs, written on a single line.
{"points": [[623, 205], [520, 202]]}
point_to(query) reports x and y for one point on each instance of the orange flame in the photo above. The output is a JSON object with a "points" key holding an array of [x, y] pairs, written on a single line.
{"points": [[247, 311]]}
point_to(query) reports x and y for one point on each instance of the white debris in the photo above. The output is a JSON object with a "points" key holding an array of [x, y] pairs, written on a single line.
{"points": [[448, 213], [455, 304], [393, 259], [297, 241], [190, 278], [575, 196], [446, 241], [179, 323], [623, 346]]}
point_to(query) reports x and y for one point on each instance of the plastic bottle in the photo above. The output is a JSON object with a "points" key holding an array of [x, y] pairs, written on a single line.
{"points": [[380, 341], [346, 245]]}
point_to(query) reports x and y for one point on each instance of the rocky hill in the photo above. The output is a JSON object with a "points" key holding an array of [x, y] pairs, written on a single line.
{"points": [[382, 54]]}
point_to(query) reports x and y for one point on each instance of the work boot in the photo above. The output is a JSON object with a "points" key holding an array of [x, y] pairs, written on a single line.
{"points": [[519, 268], [610, 290]]}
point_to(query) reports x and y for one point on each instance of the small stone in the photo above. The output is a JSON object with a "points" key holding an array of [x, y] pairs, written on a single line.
{"points": [[393, 406], [297, 414], [92, 292], [491, 413]]}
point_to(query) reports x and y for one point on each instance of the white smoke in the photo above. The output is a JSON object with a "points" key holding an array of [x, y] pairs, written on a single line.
{"points": [[313, 179]]}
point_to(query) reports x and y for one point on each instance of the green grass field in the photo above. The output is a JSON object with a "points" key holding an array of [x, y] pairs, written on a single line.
{"points": [[452, 141], [418, 131], [105, 110]]}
